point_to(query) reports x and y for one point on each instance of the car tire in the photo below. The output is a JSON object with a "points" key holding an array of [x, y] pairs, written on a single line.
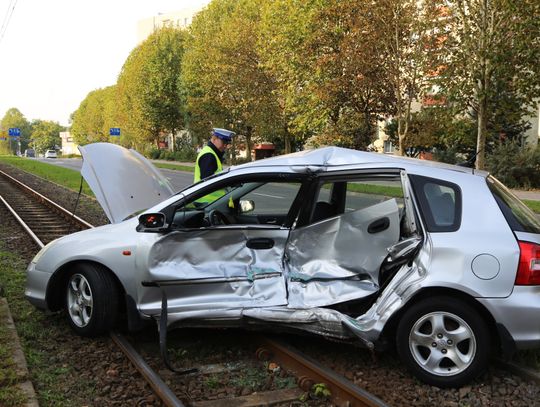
{"points": [[92, 300], [443, 342]]}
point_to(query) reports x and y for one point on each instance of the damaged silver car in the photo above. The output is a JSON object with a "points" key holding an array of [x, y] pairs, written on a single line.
{"points": [[442, 261]]}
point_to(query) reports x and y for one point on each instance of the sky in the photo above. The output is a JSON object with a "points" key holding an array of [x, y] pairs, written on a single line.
{"points": [[54, 52]]}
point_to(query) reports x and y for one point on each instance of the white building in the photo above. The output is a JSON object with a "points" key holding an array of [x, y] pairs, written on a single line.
{"points": [[68, 146], [178, 19]]}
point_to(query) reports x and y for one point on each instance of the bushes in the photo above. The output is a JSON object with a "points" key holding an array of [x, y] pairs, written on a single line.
{"points": [[187, 155], [515, 166]]}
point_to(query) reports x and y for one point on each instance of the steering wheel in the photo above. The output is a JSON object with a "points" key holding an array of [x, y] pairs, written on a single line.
{"points": [[217, 218]]}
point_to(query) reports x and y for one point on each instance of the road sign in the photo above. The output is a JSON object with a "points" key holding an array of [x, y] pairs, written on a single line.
{"points": [[3, 138], [14, 132], [114, 131]]}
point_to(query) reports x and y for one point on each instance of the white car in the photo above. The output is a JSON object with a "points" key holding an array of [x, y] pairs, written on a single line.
{"points": [[441, 260], [50, 154]]}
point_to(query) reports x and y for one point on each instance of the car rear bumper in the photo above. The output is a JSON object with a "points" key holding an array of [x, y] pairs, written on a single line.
{"points": [[519, 313], [36, 283]]}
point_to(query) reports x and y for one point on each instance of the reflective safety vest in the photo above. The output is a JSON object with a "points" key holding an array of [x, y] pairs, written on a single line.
{"points": [[206, 149], [197, 176]]}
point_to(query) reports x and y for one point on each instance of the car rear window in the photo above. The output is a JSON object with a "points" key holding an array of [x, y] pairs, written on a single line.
{"points": [[519, 217], [440, 203]]}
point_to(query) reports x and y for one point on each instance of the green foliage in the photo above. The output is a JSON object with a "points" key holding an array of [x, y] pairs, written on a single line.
{"points": [[488, 54], [515, 166], [46, 135], [14, 119], [95, 116], [437, 129], [149, 89], [226, 84], [321, 391]]}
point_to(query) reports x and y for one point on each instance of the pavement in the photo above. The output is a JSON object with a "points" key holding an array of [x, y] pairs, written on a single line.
{"points": [[533, 195]]}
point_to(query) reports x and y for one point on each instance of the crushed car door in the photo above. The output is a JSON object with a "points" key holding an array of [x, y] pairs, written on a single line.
{"points": [[224, 267], [355, 222]]}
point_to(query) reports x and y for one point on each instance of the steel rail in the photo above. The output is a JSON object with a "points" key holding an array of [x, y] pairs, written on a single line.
{"points": [[80, 222], [162, 391], [343, 392], [22, 223], [160, 388]]}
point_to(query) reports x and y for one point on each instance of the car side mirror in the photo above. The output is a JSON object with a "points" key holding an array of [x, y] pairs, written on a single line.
{"points": [[152, 222], [247, 206]]}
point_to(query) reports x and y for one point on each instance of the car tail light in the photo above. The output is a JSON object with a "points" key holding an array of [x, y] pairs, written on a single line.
{"points": [[529, 264]]}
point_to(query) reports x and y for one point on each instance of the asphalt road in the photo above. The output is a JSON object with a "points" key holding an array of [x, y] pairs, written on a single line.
{"points": [[178, 179], [181, 179]]}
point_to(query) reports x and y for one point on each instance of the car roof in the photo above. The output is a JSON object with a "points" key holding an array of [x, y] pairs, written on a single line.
{"points": [[338, 156]]}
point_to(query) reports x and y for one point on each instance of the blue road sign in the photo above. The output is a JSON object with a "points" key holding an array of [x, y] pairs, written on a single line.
{"points": [[14, 132], [114, 131]]}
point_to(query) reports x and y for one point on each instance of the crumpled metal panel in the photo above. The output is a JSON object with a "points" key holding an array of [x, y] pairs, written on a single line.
{"points": [[214, 268], [337, 259], [321, 321], [123, 181]]}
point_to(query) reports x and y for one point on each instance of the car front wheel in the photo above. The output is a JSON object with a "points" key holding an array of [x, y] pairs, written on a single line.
{"points": [[91, 300], [443, 342]]}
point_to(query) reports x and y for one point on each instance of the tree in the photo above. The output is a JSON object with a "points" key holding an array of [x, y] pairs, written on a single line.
{"points": [[46, 135], [94, 117], [15, 119], [285, 30], [149, 88], [410, 38], [491, 42], [226, 83]]}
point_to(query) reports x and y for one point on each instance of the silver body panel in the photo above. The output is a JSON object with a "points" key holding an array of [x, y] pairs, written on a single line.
{"points": [[210, 274]]}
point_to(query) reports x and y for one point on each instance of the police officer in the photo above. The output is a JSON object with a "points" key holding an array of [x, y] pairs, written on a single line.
{"points": [[210, 159]]}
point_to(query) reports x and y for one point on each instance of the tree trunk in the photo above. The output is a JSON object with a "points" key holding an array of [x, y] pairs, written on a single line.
{"points": [[482, 131], [249, 143], [287, 142]]}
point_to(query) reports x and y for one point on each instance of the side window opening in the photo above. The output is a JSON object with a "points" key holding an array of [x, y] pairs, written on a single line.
{"points": [[440, 203], [337, 197], [240, 203]]}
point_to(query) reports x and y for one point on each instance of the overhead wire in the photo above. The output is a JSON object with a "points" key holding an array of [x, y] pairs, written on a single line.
{"points": [[9, 7], [7, 18]]}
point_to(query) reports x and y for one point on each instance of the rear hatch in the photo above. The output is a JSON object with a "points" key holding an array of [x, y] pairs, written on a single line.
{"points": [[526, 227]]}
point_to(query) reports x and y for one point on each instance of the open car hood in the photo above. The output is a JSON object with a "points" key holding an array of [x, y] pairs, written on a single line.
{"points": [[123, 181]]}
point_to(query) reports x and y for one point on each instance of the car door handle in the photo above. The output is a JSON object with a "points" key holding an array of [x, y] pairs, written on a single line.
{"points": [[379, 225], [260, 243]]}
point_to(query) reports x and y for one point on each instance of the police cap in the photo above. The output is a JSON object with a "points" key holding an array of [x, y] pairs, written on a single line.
{"points": [[223, 134]]}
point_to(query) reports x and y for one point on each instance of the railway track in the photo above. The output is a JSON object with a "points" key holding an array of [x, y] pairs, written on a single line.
{"points": [[44, 221]]}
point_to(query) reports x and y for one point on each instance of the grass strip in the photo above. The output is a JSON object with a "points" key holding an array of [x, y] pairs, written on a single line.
{"points": [[10, 393], [63, 176], [177, 167], [41, 336], [533, 205], [31, 327]]}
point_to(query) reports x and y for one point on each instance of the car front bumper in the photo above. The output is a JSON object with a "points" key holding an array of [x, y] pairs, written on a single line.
{"points": [[36, 286]]}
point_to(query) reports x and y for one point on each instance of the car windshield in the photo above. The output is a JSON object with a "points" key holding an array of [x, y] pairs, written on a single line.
{"points": [[519, 217]]}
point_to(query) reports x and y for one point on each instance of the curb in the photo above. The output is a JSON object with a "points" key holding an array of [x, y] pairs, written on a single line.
{"points": [[18, 356]]}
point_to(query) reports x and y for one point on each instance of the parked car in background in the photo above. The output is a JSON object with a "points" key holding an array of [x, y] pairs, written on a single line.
{"points": [[442, 261], [29, 152], [50, 154]]}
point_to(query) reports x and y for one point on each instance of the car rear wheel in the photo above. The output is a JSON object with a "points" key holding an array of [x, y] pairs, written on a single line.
{"points": [[443, 342], [91, 300]]}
